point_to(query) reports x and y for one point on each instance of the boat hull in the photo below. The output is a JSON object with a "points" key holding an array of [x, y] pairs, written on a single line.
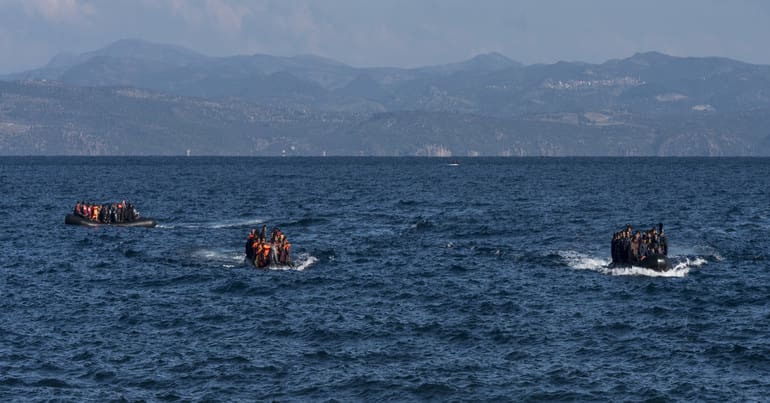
{"points": [[72, 219], [271, 266], [653, 262]]}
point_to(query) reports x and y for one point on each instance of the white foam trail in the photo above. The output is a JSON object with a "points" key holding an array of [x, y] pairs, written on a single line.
{"points": [[226, 257], [641, 271], [696, 262], [301, 262], [581, 261], [236, 223], [215, 224]]}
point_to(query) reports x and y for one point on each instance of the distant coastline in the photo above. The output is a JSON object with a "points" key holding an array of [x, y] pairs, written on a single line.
{"points": [[140, 98]]}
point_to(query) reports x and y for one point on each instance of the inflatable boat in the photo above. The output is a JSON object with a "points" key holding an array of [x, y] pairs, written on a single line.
{"points": [[270, 266], [72, 219], [655, 262]]}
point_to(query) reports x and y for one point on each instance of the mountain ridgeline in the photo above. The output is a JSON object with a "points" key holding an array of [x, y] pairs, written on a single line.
{"points": [[140, 98]]}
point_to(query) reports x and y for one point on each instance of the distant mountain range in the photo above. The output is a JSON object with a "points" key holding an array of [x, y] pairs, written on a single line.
{"points": [[138, 98]]}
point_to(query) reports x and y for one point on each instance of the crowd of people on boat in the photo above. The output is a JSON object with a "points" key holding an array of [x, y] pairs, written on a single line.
{"points": [[630, 247], [107, 213], [263, 251]]}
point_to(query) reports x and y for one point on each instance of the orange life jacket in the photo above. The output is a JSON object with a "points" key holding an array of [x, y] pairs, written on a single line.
{"points": [[266, 250]]}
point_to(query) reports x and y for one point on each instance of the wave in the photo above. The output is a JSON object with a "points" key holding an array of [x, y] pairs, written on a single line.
{"points": [[580, 261], [241, 223]]}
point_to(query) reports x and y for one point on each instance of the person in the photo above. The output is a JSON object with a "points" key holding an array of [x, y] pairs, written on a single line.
{"points": [[285, 255], [633, 256], [283, 252], [131, 213], [119, 213], [626, 253], [250, 245], [103, 213], [264, 252], [257, 251], [275, 235], [643, 248], [662, 241]]}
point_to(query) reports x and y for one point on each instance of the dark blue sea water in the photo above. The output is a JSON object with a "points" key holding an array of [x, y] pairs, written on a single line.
{"points": [[416, 281]]}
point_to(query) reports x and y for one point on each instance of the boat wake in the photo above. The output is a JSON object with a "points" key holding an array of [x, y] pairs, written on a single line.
{"points": [[301, 262], [242, 223], [226, 258], [579, 261]]}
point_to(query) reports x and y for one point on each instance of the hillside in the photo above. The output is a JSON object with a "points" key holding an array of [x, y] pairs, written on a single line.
{"points": [[134, 97]]}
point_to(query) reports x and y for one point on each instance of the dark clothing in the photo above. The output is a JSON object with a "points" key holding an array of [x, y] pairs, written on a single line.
{"points": [[250, 249], [642, 250], [663, 245], [626, 253]]}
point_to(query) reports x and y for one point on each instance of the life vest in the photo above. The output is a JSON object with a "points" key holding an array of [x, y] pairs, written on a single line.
{"points": [[260, 255], [266, 250]]}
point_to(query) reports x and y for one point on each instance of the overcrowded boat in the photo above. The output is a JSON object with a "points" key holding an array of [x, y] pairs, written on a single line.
{"points": [[648, 249], [120, 214], [264, 253]]}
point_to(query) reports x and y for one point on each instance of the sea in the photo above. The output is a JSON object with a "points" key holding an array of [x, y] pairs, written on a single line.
{"points": [[416, 279]]}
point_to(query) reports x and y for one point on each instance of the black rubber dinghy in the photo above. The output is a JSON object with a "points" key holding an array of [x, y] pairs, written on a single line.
{"points": [[72, 219], [653, 262]]}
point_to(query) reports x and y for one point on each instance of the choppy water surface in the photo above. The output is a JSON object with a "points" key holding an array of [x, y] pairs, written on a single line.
{"points": [[417, 280]]}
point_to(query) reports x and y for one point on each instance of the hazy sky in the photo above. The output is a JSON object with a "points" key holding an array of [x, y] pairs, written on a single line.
{"points": [[391, 32]]}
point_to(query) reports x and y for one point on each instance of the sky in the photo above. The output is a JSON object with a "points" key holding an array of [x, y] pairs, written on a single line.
{"points": [[398, 33]]}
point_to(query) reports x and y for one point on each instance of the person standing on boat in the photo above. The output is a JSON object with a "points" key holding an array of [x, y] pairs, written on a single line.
{"points": [[662, 241], [103, 213], [250, 245], [263, 233], [633, 255], [643, 247], [625, 253], [284, 248]]}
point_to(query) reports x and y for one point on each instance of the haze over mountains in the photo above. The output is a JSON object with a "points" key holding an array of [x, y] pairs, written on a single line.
{"points": [[140, 98]]}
